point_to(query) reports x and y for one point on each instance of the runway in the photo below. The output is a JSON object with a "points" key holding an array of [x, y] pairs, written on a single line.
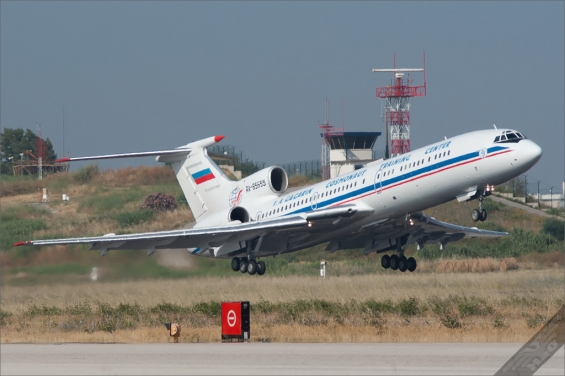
{"points": [[263, 358]]}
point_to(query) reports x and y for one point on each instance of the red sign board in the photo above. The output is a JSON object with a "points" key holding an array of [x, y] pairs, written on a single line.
{"points": [[231, 318]]}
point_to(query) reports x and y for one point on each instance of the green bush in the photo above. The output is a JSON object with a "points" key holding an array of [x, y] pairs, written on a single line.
{"points": [[85, 174], [4, 317], [409, 307], [554, 227]]}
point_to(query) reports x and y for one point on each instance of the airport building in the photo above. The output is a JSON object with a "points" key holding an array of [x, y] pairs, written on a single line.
{"points": [[350, 151]]}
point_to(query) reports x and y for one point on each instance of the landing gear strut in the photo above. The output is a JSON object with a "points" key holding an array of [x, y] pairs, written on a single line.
{"points": [[479, 214]]}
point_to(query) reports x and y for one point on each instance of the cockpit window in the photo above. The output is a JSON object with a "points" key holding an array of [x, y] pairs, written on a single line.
{"points": [[509, 136]]}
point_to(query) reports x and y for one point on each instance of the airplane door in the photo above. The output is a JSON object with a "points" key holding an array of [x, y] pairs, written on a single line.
{"points": [[314, 200], [379, 181]]}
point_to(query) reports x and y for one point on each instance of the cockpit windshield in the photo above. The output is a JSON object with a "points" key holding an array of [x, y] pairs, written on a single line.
{"points": [[509, 136]]}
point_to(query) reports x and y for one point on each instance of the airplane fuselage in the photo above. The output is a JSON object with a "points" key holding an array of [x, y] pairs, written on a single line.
{"points": [[455, 168]]}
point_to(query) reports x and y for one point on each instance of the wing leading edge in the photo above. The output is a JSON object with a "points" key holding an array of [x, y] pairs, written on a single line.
{"points": [[209, 236]]}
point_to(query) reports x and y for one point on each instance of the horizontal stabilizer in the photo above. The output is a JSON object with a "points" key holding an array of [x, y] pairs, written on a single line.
{"points": [[169, 153]]}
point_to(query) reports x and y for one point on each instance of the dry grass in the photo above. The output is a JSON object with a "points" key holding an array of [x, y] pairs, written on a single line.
{"points": [[416, 331], [471, 266], [508, 264], [479, 307], [547, 285]]}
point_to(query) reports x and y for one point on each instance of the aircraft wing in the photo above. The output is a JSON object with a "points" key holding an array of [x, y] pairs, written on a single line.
{"points": [[416, 228], [204, 238]]}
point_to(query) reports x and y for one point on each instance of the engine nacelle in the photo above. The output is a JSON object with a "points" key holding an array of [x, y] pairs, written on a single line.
{"points": [[239, 214], [273, 177]]}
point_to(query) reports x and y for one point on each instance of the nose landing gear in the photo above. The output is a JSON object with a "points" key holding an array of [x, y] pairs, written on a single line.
{"points": [[480, 214]]}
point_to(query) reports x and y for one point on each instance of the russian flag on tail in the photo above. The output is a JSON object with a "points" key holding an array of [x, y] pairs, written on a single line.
{"points": [[203, 176]]}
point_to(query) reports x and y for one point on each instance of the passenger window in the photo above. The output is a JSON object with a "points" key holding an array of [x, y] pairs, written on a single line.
{"points": [[444, 153], [448, 152], [429, 159]]}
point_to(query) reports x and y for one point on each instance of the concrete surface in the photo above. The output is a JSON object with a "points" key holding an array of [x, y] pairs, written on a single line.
{"points": [[263, 358]]}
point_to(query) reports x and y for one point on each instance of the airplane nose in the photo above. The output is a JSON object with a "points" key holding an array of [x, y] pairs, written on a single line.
{"points": [[531, 152]]}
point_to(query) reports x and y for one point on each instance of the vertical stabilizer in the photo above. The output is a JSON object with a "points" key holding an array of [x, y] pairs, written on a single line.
{"points": [[203, 183]]}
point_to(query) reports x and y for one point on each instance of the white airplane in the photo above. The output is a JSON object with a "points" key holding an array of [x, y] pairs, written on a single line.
{"points": [[376, 208]]}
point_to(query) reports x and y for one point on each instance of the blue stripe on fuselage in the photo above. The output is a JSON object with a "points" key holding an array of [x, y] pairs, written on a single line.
{"points": [[408, 175]]}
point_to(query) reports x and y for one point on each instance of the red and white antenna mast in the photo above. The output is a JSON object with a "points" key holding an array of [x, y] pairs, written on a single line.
{"points": [[397, 97]]}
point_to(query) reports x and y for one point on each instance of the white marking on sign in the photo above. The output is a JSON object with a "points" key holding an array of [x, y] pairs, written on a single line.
{"points": [[231, 318]]}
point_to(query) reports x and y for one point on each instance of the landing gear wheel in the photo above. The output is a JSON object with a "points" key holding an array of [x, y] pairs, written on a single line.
{"points": [[385, 261], [394, 262], [412, 264], [235, 263], [483, 215], [402, 264], [243, 265], [252, 267], [261, 268], [476, 215]]}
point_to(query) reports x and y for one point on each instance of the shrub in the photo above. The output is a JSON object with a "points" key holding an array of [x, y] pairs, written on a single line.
{"points": [[85, 174], [4, 317], [554, 227], [159, 202]]}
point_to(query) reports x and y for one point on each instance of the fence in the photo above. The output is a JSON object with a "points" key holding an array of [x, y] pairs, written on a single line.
{"points": [[534, 191], [312, 169], [229, 155]]}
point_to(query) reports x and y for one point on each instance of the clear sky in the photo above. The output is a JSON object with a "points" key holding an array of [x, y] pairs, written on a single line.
{"points": [[136, 76]]}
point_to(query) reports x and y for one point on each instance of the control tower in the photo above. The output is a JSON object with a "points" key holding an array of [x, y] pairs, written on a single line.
{"points": [[397, 96]]}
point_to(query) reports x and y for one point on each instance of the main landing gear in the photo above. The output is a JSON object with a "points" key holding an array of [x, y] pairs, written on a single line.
{"points": [[248, 266], [401, 263]]}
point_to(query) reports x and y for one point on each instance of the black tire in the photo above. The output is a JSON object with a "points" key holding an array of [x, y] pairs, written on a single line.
{"points": [[261, 268], [402, 264], [235, 264], [476, 215], [252, 267], [394, 262], [483, 215], [243, 266], [385, 261], [412, 264]]}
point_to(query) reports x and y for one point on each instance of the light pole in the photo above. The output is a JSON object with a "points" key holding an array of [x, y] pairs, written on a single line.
{"points": [[525, 188], [551, 196], [539, 207]]}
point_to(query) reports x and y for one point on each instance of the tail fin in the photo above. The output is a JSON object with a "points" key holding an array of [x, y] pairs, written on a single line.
{"points": [[201, 180]]}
